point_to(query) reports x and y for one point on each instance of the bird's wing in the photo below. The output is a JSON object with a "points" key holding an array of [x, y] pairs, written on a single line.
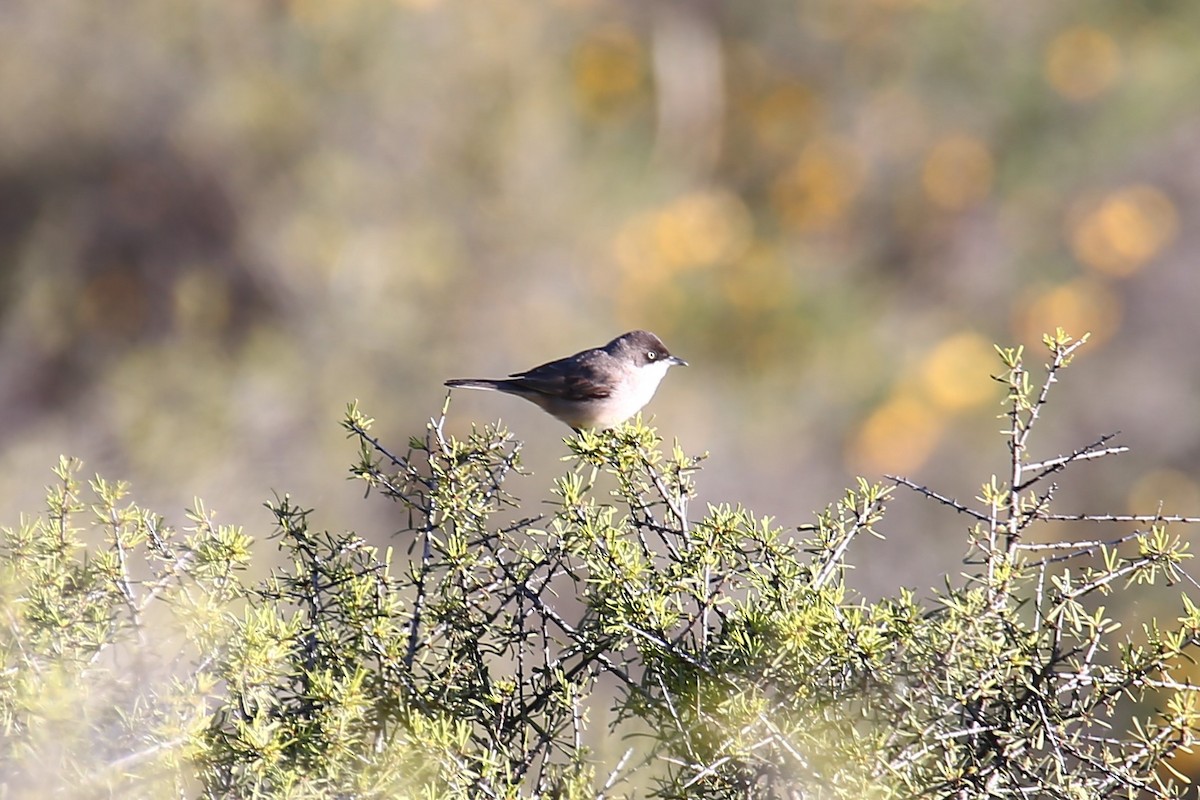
{"points": [[575, 378]]}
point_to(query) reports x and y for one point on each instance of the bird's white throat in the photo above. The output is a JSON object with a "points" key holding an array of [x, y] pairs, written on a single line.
{"points": [[637, 390]]}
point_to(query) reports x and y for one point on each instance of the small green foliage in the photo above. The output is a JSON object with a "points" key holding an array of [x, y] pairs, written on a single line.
{"points": [[113, 620], [485, 653]]}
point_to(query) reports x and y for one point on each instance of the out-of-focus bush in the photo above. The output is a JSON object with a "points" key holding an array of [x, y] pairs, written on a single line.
{"points": [[219, 223]]}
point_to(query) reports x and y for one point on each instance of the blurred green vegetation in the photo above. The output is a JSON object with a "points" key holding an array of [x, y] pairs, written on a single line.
{"points": [[220, 222]]}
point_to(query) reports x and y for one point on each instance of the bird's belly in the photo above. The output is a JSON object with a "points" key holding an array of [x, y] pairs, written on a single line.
{"points": [[609, 411]]}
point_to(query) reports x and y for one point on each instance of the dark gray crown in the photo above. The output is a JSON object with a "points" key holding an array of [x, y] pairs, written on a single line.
{"points": [[641, 347]]}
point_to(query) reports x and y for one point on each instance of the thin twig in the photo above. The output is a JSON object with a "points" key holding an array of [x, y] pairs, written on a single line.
{"points": [[1150, 518], [932, 495]]}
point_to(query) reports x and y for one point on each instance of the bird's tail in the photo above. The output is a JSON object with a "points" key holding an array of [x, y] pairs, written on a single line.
{"points": [[478, 383]]}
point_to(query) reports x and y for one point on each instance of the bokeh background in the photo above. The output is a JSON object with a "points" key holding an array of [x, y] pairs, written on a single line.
{"points": [[222, 221]]}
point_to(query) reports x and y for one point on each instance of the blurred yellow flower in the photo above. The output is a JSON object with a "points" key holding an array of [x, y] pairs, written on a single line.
{"points": [[1084, 305], [955, 374], [609, 67], [1082, 62], [700, 229], [902, 432], [819, 188], [958, 172], [1171, 491], [1124, 231], [898, 436], [703, 228], [785, 115]]}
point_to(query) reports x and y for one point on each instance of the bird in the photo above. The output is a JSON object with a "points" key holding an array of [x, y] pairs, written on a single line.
{"points": [[593, 389]]}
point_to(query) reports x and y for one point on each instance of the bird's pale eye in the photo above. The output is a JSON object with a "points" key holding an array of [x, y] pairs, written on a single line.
{"points": [[651, 355]]}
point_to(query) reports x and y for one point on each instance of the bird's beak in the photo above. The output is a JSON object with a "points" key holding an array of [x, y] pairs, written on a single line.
{"points": [[676, 360]]}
